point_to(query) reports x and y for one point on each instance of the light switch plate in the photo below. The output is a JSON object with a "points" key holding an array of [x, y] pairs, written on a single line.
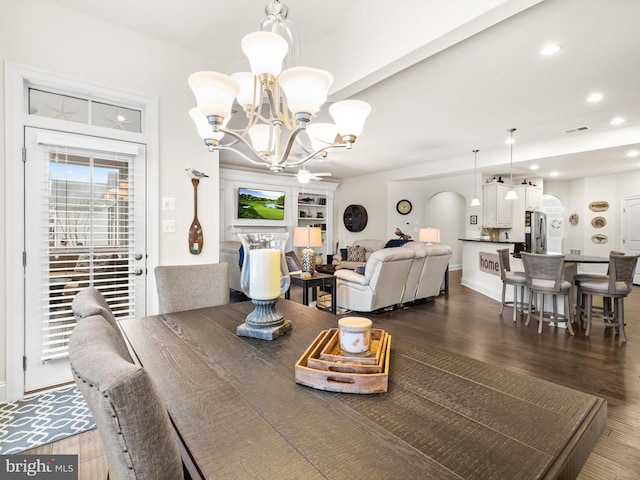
{"points": [[168, 226], [168, 203]]}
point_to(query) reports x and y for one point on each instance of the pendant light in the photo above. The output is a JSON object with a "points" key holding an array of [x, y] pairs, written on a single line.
{"points": [[475, 202], [511, 194]]}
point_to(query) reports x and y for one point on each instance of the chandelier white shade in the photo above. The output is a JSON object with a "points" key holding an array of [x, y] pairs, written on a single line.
{"points": [[265, 51], [276, 100]]}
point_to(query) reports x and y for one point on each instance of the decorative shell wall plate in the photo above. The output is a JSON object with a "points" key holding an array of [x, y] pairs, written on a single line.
{"points": [[598, 222], [600, 206], [573, 219], [599, 238]]}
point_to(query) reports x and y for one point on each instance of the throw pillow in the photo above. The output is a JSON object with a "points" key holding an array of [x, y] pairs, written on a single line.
{"points": [[343, 254], [356, 254], [361, 268]]}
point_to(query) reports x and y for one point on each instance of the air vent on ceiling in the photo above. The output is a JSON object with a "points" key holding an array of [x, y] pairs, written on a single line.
{"points": [[577, 129]]}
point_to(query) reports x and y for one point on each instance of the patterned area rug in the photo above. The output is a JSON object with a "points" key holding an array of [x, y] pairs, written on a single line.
{"points": [[43, 418]]}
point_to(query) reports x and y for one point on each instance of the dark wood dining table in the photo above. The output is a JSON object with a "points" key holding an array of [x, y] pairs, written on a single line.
{"points": [[239, 413]]}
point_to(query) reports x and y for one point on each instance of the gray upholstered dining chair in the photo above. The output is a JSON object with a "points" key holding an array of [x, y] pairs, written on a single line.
{"points": [[617, 286], [138, 440], [89, 302], [545, 277], [187, 287], [517, 279]]}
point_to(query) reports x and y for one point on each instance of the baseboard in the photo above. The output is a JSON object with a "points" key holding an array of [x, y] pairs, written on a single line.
{"points": [[3, 392]]}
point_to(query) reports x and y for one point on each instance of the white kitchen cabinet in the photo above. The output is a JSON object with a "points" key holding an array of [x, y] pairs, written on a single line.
{"points": [[496, 211]]}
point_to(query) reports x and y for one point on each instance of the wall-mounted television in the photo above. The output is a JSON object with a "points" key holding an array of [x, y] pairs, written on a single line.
{"points": [[260, 204]]}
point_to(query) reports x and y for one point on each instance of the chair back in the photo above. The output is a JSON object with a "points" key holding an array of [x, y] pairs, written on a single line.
{"points": [[544, 270], [89, 302], [138, 440], [622, 269], [503, 261], [187, 287]]}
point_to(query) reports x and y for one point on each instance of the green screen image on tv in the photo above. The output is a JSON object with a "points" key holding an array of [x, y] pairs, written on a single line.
{"points": [[260, 204]]}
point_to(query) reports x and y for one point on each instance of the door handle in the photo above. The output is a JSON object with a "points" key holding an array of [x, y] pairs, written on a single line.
{"points": [[138, 272], [138, 256]]}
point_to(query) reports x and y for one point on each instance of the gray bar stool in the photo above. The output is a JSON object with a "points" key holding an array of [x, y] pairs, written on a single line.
{"points": [[545, 277], [517, 279], [619, 284]]}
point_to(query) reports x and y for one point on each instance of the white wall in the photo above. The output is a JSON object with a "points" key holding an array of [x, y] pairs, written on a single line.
{"points": [[43, 35]]}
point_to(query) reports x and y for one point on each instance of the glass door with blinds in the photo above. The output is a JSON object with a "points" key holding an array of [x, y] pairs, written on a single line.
{"points": [[84, 226]]}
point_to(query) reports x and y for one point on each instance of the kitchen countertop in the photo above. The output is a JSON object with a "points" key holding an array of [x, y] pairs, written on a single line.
{"points": [[509, 242]]}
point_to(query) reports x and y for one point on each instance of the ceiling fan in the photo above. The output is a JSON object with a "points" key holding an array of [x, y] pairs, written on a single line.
{"points": [[305, 176]]}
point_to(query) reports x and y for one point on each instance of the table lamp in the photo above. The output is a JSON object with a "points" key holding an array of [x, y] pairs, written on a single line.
{"points": [[429, 235], [307, 237]]}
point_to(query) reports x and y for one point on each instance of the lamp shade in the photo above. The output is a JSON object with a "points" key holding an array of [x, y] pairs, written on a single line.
{"points": [[306, 88], [475, 202], [204, 128], [321, 134], [260, 135], [429, 235], [249, 93], [265, 51], [214, 92], [350, 116], [511, 195], [307, 237]]}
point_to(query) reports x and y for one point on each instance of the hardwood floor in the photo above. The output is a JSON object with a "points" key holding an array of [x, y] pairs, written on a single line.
{"points": [[468, 323]]}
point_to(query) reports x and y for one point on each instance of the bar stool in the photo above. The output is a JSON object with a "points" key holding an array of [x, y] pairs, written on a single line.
{"points": [[587, 277], [517, 279], [545, 277], [619, 284]]}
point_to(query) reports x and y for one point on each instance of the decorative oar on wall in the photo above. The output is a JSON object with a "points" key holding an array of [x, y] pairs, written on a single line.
{"points": [[196, 237]]}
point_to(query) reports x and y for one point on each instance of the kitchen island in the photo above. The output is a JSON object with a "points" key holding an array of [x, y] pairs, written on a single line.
{"points": [[480, 270]]}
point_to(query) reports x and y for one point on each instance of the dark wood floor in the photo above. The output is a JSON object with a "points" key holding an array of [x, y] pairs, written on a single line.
{"points": [[468, 323]]}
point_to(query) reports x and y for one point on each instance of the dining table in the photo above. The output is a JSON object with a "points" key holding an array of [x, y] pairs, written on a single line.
{"points": [[239, 413]]}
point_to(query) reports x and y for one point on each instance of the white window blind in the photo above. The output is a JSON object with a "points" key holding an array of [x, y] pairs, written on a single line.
{"points": [[87, 196]]}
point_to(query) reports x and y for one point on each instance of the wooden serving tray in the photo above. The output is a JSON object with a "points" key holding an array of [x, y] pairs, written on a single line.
{"points": [[334, 361], [346, 375], [331, 351]]}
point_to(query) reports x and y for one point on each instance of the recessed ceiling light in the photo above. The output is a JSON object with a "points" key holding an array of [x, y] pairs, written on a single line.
{"points": [[633, 153], [534, 167], [595, 97], [550, 49], [617, 121], [554, 174]]}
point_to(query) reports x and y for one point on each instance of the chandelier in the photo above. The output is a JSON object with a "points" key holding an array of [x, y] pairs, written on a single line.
{"points": [[275, 102]]}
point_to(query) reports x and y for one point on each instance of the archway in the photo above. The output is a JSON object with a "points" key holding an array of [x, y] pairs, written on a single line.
{"points": [[447, 211]]}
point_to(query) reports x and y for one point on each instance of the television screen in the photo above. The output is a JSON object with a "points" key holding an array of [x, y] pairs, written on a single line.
{"points": [[260, 204]]}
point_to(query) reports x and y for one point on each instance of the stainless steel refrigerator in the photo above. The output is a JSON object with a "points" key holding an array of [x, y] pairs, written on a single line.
{"points": [[535, 232]]}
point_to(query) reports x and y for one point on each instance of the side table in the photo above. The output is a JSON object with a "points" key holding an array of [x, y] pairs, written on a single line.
{"points": [[317, 280]]}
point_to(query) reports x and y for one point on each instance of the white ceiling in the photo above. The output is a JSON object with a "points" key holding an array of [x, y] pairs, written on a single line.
{"points": [[443, 76]]}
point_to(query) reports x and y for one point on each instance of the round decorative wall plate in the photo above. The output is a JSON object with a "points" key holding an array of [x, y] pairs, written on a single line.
{"points": [[600, 206], [598, 222], [573, 219], [599, 238], [355, 218]]}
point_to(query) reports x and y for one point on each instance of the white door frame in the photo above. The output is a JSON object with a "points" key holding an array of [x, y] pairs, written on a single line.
{"points": [[624, 232], [16, 119]]}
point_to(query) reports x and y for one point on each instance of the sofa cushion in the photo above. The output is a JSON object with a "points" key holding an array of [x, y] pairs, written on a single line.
{"points": [[356, 253]]}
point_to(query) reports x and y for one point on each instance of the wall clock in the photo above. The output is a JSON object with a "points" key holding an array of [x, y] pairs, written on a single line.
{"points": [[404, 207]]}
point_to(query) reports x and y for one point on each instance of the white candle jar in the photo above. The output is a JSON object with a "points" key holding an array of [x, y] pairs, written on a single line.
{"points": [[354, 335], [264, 274]]}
